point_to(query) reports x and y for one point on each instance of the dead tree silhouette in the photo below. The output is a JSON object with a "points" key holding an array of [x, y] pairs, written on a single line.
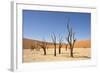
{"points": [[60, 43], [33, 46], [54, 42], [43, 45], [70, 38], [66, 47]]}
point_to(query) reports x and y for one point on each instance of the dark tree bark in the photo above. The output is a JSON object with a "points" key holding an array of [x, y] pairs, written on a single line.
{"points": [[44, 51], [66, 45], [54, 42], [55, 50], [59, 50], [60, 44], [71, 54], [70, 39], [43, 45]]}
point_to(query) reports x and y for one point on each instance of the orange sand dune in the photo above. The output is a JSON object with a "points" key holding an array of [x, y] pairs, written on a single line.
{"points": [[27, 43], [37, 55], [83, 44]]}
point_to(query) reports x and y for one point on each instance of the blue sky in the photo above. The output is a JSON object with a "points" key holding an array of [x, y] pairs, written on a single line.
{"points": [[41, 24]]}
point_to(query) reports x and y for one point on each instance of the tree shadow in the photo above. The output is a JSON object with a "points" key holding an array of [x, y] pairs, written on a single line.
{"points": [[81, 57]]}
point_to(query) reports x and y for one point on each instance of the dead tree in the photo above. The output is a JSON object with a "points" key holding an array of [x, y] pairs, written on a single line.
{"points": [[54, 42], [60, 44], [47, 47], [70, 39], [37, 46], [33, 46], [66, 46], [43, 45]]}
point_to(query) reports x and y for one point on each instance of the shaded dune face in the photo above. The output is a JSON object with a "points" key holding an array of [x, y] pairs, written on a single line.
{"points": [[27, 43]]}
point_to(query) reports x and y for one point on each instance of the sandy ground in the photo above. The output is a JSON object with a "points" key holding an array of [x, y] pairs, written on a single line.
{"points": [[37, 56]]}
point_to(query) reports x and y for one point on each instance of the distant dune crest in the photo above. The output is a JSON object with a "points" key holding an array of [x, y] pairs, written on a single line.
{"points": [[27, 43]]}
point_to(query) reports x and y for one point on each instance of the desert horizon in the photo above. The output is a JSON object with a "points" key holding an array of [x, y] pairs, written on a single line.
{"points": [[56, 36], [82, 51], [27, 43]]}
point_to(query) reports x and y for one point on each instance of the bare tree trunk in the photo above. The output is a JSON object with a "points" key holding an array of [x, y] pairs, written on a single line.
{"points": [[60, 46], [71, 39], [33, 46], [71, 52], [59, 50], [66, 47], [43, 45], [44, 51], [54, 42], [55, 51], [60, 43]]}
